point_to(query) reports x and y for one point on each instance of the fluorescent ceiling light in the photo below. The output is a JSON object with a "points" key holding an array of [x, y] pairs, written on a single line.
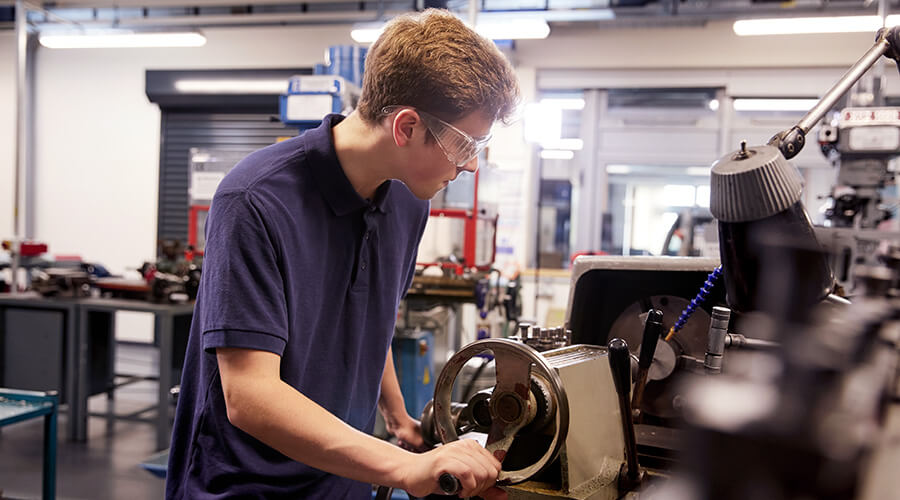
{"points": [[704, 171], [554, 15], [563, 103], [807, 25], [366, 33], [570, 144], [512, 28], [120, 39], [557, 154], [618, 169], [195, 86], [774, 104]]}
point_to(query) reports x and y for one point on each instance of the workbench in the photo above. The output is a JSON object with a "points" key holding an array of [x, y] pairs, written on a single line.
{"points": [[170, 332], [37, 336], [68, 345]]}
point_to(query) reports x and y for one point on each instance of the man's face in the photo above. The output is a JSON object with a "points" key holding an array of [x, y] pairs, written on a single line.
{"points": [[433, 169]]}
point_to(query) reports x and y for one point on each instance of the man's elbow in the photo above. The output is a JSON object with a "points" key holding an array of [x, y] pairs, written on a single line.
{"points": [[235, 409], [247, 377]]}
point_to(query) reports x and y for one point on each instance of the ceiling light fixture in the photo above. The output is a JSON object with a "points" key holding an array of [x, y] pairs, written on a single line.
{"points": [[494, 28], [618, 169], [118, 39], [569, 143], [196, 86], [563, 103], [698, 171], [513, 29], [367, 32], [557, 154], [809, 25], [798, 105]]}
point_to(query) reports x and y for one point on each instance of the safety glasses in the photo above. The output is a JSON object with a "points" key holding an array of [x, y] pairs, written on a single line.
{"points": [[459, 147]]}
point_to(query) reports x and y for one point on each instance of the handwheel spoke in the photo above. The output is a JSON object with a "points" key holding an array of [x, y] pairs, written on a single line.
{"points": [[510, 401], [513, 373]]}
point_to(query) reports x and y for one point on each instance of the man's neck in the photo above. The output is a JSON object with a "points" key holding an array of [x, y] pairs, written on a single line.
{"points": [[361, 150]]}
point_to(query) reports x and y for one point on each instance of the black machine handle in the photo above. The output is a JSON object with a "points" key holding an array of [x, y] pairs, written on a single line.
{"points": [[620, 365], [653, 329], [449, 484]]}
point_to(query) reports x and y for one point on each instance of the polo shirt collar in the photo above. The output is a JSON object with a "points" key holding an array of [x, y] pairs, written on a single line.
{"points": [[330, 177]]}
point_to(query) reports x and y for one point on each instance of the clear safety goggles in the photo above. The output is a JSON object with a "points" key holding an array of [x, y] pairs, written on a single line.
{"points": [[459, 147]]}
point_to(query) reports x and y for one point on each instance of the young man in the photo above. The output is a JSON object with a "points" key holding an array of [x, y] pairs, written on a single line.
{"points": [[311, 245]]}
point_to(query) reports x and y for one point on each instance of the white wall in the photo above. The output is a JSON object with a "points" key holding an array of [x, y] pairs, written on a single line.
{"points": [[7, 130], [97, 136]]}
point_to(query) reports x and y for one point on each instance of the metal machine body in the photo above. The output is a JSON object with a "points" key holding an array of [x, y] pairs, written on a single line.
{"points": [[569, 443], [592, 454], [865, 140], [608, 297]]}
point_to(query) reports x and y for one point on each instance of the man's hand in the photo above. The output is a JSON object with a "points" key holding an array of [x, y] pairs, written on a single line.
{"points": [[407, 430], [474, 466]]}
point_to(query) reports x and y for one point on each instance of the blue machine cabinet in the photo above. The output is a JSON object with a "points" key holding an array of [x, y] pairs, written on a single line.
{"points": [[414, 363]]}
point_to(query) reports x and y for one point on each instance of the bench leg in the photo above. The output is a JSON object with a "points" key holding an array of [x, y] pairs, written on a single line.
{"points": [[50, 456]]}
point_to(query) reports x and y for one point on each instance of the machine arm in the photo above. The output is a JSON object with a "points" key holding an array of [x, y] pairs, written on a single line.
{"points": [[791, 141]]}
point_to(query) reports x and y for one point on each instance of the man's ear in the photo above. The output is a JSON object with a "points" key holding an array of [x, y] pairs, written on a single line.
{"points": [[403, 126]]}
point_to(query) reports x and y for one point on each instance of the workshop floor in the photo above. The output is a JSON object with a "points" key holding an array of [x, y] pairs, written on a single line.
{"points": [[107, 466]]}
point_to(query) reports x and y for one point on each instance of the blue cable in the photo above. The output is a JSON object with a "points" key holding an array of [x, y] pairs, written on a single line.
{"points": [[701, 297]]}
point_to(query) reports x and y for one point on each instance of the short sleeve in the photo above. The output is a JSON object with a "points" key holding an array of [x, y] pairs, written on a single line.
{"points": [[241, 288]]}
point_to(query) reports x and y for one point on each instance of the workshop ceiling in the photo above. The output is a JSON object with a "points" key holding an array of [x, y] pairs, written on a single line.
{"points": [[600, 13]]}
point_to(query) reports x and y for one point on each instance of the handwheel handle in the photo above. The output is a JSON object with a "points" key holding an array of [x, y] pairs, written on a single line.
{"points": [[449, 484], [653, 328]]}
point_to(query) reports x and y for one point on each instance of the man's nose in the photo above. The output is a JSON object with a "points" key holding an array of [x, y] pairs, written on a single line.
{"points": [[472, 166]]}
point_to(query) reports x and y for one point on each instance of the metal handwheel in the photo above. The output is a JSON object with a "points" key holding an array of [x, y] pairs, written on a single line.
{"points": [[524, 381]]}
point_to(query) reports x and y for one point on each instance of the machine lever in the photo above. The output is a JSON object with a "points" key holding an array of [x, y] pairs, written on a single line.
{"points": [[620, 365], [653, 329], [791, 141]]}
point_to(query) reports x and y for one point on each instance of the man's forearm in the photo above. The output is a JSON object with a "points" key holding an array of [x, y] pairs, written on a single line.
{"points": [[283, 418], [262, 405]]}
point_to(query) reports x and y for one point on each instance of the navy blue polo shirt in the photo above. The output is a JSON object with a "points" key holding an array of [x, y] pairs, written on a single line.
{"points": [[297, 264]]}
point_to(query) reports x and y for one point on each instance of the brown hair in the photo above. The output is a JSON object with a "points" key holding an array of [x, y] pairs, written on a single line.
{"points": [[433, 61]]}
